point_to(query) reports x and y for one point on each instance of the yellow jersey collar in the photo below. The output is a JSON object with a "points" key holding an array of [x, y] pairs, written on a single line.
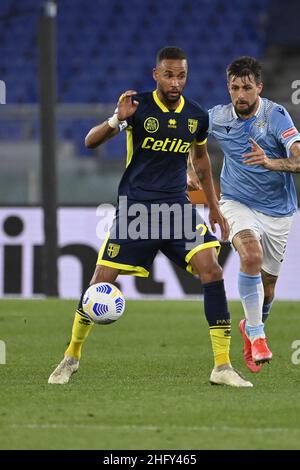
{"points": [[163, 107]]}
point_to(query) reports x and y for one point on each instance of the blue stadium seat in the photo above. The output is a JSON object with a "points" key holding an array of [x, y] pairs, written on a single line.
{"points": [[104, 47]]}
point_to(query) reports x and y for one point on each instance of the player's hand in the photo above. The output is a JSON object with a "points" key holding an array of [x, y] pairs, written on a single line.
{"points": [[216, 217], [126, 105], [257, 156], [193, 183]]}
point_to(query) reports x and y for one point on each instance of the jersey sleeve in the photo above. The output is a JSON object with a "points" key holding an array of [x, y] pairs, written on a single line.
{"points": [[210, 120], [284, 128], [202, 133]]}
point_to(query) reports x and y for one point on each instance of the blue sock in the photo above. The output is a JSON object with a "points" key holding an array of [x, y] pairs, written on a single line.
{"points": [[255, 331], [252, 295], [266, 310]]}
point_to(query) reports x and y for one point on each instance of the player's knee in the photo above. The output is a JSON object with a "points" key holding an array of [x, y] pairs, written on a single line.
{"points": [[211, 272], [251, 260], [104, 274]]}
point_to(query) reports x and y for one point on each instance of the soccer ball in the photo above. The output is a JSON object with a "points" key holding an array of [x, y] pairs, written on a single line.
{"points": [[103, 303]]}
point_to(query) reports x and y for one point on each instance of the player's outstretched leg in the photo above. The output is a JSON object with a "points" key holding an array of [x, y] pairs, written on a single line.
{"points": [[251, 290], [218, 317], [260, 351], [252, 295], [70, 363], [80, 331]]}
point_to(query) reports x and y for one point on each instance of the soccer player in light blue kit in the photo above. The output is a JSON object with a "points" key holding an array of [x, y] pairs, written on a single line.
{"points": [[261, 148]]}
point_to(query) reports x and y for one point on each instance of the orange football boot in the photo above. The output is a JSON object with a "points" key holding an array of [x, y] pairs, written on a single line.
{"points": [[260, 351], [248, 349]]}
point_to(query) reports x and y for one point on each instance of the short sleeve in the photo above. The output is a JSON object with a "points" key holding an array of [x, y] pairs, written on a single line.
{"points": [[202, 133], [284, 128], [210, 120]]}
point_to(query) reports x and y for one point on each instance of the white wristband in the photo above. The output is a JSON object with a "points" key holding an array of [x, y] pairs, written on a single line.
{"points": [[113, 121]]}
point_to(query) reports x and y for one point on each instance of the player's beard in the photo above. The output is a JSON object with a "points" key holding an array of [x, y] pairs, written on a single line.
{"points": [[246, 111], [169, 99]]}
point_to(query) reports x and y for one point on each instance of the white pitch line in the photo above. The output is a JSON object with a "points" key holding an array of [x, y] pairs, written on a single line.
{"points": [[153, 428]]}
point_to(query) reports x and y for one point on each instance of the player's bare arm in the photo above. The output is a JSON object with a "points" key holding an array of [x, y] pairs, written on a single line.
{"points": [[109, 128], [258, 157], [201, 163], [193, 183], [99, 134]]}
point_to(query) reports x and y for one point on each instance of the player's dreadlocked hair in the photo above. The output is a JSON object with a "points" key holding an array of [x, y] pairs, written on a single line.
{"points": [[171, 53], [244, 67]]}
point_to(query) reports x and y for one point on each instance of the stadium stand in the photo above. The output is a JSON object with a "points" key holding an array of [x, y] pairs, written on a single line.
{"points": [[105, 47]]}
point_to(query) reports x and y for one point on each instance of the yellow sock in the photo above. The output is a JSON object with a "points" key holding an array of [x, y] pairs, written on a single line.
{"points": [[220, 339], [81, 328]]}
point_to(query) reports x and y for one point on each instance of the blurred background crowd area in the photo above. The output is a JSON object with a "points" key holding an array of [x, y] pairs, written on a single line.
{"points": [[107, 46]]}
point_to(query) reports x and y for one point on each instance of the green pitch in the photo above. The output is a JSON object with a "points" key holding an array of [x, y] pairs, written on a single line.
{"points": [[143, 382]]}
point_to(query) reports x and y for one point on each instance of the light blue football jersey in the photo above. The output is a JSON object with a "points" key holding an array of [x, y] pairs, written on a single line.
{"points": [[270, 192]]}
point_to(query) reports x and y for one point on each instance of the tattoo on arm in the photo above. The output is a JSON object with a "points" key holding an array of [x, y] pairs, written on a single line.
{"points": [[291, 164]]}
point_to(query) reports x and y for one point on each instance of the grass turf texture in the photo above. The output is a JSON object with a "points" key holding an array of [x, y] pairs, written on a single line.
{"points": [[143, 382]]}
